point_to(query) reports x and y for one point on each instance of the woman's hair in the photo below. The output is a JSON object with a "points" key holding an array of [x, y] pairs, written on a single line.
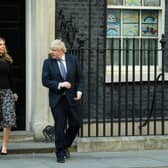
{"points": [[5, 55], [58, 44]]}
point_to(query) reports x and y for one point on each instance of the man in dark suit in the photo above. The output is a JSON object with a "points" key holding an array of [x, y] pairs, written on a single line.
{"points": [[61, 74]]}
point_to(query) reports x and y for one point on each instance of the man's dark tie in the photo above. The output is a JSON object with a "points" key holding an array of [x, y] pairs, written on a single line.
{"points": [[62, 69]]}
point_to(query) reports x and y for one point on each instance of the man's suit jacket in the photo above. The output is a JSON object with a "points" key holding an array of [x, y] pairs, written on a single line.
{"points": [[51, 77]]}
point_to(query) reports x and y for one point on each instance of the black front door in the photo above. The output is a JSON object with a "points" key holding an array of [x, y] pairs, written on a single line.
{"points": [[12, 28]]}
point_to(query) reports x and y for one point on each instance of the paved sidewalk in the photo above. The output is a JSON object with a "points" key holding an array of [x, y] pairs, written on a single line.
{"points": [[141, 159]]}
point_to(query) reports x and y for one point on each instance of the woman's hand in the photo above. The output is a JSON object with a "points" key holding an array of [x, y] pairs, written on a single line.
{"points": [[15, 96]]}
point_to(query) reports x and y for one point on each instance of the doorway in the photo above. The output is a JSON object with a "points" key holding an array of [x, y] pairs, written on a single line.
{"points": [[12, 28]]}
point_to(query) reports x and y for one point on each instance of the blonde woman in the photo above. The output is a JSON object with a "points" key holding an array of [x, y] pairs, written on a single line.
{"points": [[7, 97]]}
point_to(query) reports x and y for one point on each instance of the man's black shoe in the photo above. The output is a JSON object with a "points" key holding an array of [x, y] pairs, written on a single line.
{"points": [[61, 160], [67, 153], [60, 157]]}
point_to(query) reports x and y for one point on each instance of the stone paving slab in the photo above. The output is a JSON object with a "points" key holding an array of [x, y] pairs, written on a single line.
{"points": [[141, 159]]}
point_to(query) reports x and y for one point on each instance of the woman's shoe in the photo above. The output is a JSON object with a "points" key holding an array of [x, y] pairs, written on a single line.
{"points": [[3, 153]]}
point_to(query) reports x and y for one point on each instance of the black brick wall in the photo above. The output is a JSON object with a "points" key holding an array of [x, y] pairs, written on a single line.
{"points": [[166, 18], [139, 99], [76, 12], [166, 35]]}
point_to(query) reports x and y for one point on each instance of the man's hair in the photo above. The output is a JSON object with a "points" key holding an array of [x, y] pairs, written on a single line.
{"points": [[58, 44]]}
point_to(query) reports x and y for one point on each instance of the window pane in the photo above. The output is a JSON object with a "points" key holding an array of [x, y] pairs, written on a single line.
{"points": [[131, 16], [113, 51], [149, 16], [113, 23], [133, 2], [151, 2], [131, 20], [130, 29], [131, 47], [149, 29], [149, 23], [115, 2], [149, 51]]}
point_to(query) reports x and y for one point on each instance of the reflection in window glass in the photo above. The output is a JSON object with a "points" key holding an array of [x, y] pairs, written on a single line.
{"points": [[115, 2], [113, 23], [151, 2], [133, 2]]}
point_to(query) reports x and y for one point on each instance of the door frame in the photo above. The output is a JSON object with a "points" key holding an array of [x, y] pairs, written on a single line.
{"points": [[37, 45]]}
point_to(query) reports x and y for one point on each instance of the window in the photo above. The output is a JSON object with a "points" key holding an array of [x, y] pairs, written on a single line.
{"points": [[130, 23], [151, 3], [134, 2], [113, 23], [115, 2], [134, 29], [149, 23]]}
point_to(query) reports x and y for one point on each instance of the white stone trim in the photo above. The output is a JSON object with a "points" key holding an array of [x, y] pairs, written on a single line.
{"points": [[28, 64], [40, 31]]}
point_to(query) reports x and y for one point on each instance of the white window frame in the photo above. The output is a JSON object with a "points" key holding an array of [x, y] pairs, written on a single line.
{"points": [[161, 29]]}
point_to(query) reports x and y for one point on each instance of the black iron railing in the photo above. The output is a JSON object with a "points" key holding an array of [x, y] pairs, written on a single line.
{"points": [[125, 89]]}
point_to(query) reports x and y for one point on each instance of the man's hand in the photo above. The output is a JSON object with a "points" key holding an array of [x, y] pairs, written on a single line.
{"points": [[78, 96], [66, 85]]}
